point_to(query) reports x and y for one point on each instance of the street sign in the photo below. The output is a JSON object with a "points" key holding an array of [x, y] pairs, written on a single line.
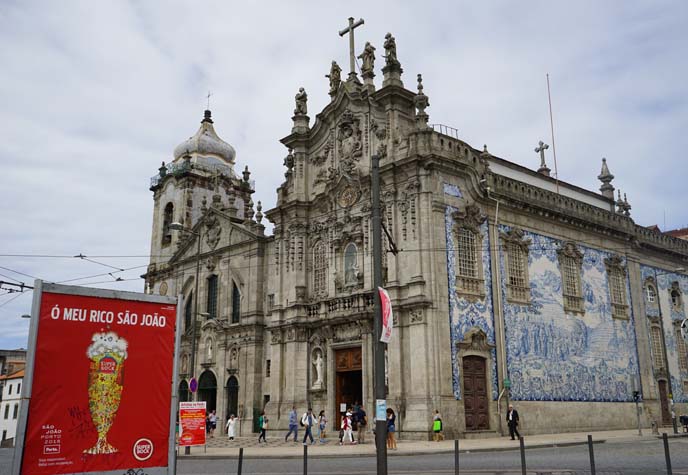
{"points": [[193, 385]]}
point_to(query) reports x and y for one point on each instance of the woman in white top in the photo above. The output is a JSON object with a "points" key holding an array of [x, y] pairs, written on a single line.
{"points": [[231, 427]]}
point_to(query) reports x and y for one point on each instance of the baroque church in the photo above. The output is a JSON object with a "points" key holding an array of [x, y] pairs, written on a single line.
{"points": [[507, 284]]}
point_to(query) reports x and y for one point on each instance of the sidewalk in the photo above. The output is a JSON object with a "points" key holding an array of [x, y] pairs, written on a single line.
{"points": [[221, 447]]}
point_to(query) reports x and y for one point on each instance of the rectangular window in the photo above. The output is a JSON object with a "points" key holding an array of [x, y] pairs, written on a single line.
{"points": [[271, 301], [466, 258], [517, 269], [319, 268], [681, 350], [267, 368], [236, 304], [657, 350], [7, 411], [211, 305], [16, 411], [19, 388], [617, 291], [573, 298]]}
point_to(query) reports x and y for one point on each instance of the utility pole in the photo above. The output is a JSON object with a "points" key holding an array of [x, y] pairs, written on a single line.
{"points": [[379, 347]]}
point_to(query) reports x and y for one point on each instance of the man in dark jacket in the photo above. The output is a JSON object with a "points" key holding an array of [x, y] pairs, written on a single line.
{"points": [[512, 422]]}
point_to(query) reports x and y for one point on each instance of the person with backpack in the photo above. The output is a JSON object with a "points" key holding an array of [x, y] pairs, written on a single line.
{"points": [[293, 425], [263, 424], [362, 419], [437, 427], [307, 421]]}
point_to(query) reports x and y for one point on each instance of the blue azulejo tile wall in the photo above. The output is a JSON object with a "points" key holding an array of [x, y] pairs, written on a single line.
{"points": [[465, 314], [556, 356], [670, 314]]}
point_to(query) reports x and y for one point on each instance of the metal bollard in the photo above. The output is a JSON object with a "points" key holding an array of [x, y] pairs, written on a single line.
{"points": [[456, 456], [592, 455], [305, 460], [241, 460], [666, 453], [523, 456]]}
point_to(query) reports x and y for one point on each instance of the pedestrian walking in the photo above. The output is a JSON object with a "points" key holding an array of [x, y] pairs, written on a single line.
{"points": [[307, 421], [212, 418], [437, 427], [293, 425], [322, 426], [263, 424], [362, 419], [346, 432], [391, 429], [231, 427], [512, 422]]}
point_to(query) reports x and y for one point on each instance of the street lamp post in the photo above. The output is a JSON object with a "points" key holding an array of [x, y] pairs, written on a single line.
{"points": [[180, 227], [666, 357]]}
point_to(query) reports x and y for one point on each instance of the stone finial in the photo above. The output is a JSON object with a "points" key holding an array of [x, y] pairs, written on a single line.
{"points": [[207, 116], [421, 102], [162, 170], [626, 207], [249, 210], [335, 78], [619, 203], [259, 212], [544, 169], [607, 189], [204, 204], [246, 174]]}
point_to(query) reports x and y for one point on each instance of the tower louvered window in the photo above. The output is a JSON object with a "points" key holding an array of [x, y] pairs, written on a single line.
{"points": [[320, 269], [212, 297], [681, 350]]}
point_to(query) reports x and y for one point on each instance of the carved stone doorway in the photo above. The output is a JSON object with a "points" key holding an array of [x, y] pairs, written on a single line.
{"points": [[232, 397], [349, 380], [664, 402], [475, 393], [207, 390]]}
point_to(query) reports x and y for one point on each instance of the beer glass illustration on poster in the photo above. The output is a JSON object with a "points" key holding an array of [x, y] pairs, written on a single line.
{"points": [[101, 385]]}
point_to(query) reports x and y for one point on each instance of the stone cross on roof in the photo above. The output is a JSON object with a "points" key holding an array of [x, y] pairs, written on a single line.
{"points": [[544, 169], [352, 53]]}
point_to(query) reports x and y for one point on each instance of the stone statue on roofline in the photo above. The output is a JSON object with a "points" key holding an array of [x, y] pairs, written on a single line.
{"points": [[335, 78], [301, 100], [368, 60], [390, 50]]}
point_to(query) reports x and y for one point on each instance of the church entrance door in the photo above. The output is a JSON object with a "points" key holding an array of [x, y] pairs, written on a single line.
{"points": [[664, 402], [349, 383], [475, 393]]}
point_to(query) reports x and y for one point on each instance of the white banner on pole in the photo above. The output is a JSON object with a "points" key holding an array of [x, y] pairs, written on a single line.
{"points": [[387, 317]]}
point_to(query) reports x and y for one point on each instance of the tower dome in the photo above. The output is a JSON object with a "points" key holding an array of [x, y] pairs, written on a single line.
{"points": [[206, 142]]}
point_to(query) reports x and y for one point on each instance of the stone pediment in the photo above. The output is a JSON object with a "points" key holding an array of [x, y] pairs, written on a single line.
{"points": [[217, 231]]}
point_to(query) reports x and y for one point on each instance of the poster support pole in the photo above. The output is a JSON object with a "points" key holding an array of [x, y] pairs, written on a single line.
{"points": [[174, 405], [20, 437]]}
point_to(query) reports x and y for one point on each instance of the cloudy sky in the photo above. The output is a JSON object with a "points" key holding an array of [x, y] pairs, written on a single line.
{"points": [[95, 95]]}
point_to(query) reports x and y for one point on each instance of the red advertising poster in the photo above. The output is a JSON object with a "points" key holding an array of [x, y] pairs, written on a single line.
{"points": [[387, 318], [101, 388], [191, 423]]}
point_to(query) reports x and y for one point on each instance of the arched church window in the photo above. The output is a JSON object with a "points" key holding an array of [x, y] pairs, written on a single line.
{"points": [[319, 268], [236, 303], [681, 348], [676, 298], [571, 265], [211, 303], [350, 264], [167, 218]]}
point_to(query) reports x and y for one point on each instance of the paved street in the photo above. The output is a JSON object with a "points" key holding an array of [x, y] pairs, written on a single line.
{"points": [[644, 457]]}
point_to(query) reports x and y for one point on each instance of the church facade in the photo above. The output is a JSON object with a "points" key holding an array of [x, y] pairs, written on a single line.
{"points": [[507, 285]]}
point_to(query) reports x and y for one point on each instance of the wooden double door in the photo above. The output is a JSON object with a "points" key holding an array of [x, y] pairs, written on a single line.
{"points": [[349, 383], [475, 393]]}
